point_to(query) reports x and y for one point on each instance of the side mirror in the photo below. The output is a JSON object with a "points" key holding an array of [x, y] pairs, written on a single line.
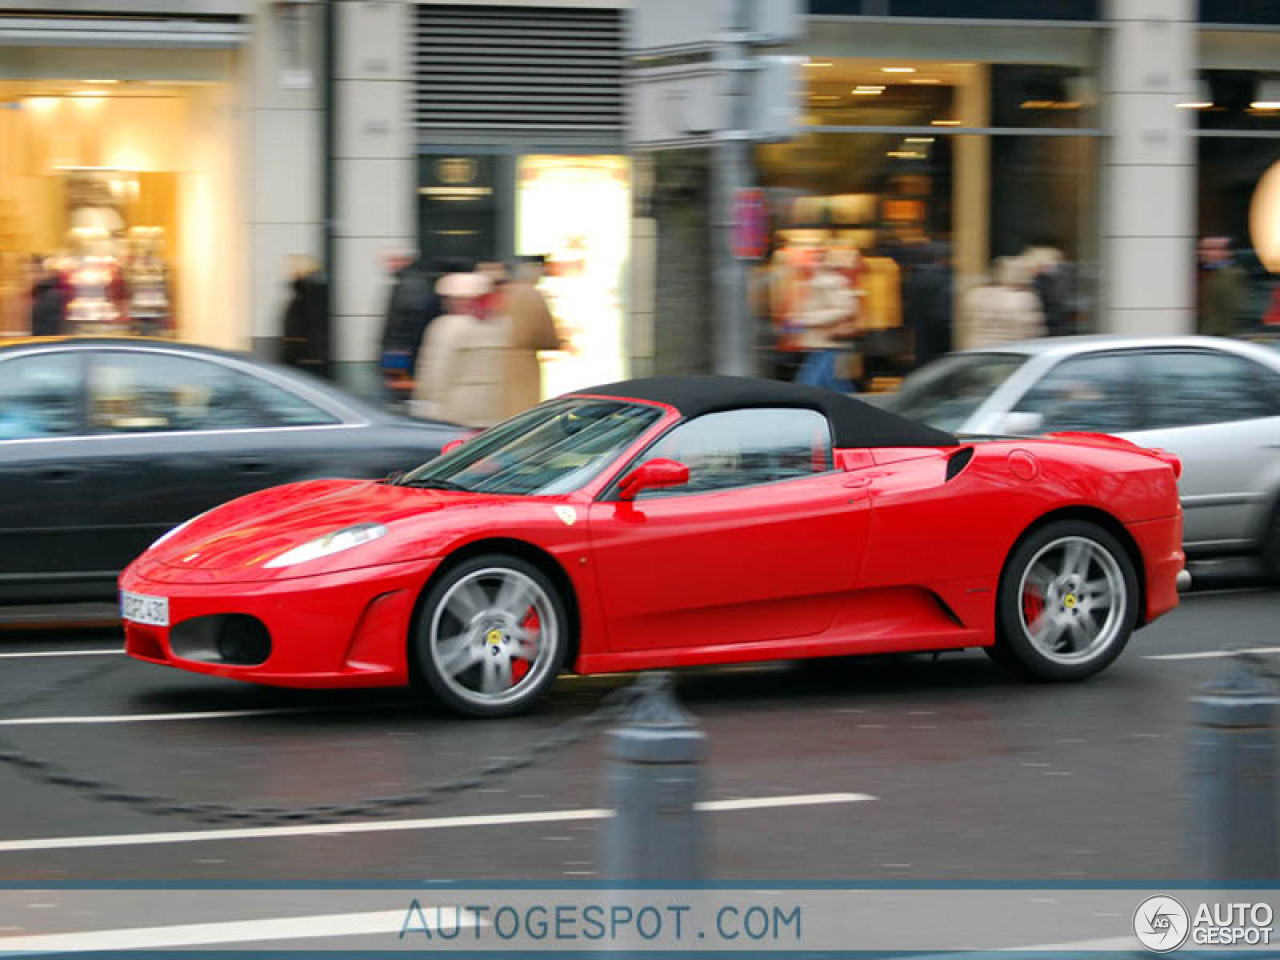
{"points": [[651, 475], [1022, 422]]}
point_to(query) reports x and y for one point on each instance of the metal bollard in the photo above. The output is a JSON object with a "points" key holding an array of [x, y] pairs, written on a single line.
{"points": [[1234, 773], [653, 783]]}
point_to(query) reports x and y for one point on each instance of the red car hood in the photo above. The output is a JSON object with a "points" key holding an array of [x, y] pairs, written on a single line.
{"points": [[246, 533]]}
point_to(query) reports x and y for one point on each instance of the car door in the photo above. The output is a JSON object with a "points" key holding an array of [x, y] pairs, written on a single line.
{"points": [[761, 544], [1213, 410], [179, 433], [46, 471]]}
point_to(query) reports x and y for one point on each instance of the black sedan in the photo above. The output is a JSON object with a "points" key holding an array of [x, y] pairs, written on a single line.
{"points": [[107, 443]]}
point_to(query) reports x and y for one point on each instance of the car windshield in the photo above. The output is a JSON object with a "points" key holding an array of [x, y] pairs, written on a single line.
{"points": [[553, 448], [946, 393]]}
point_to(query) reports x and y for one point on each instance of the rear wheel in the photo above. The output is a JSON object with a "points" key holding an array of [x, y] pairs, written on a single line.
{"points": [[491, 636], [1068, 602]]}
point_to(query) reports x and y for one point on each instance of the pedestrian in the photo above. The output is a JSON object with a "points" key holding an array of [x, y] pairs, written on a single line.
{"points": [[49, 297], [411, 307], [532, 329], [1052, 281], [462, 363], [927, 296], [1006, 310], [828, 318], [306, 320], [1221, 295]]}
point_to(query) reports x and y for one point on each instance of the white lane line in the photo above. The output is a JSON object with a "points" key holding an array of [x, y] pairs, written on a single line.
{"points": [[227, 931], [114, 651], [148, 717], [434, 823], [766, 803], [1209, 654]]}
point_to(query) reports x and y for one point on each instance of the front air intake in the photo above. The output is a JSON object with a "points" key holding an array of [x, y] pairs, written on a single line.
{"points": [[234, 639]]}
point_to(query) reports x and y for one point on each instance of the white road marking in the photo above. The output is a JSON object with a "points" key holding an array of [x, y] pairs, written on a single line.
{"points": [[1209, 654], [148, 717], [434, 823], [764, 803], [114, 651], [227, 931]]}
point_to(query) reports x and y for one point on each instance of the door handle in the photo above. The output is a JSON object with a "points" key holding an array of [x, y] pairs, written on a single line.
{"points": [[858, 482], [252, 466]]}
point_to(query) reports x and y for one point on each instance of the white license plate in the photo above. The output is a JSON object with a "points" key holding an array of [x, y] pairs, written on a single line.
{"points": [[141, 609]]}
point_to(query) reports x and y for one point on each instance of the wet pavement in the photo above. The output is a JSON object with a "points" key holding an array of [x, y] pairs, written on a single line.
{"points": [[945, 769]]}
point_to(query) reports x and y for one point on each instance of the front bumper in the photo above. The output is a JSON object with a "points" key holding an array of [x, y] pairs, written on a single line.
{"points": [[347, 629]]}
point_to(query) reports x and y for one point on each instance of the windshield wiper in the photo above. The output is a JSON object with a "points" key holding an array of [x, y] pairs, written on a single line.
{"points": [[437, 485]]}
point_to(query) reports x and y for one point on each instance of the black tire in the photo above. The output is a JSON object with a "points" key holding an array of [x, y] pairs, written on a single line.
{"points": [[1091, 602], [462, 661]]}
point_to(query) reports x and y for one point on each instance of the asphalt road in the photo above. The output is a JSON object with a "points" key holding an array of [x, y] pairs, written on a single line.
{"points": [[863, 769]]}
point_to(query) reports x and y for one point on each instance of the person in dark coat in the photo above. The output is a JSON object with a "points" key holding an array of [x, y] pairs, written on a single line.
{"points": [[928, 297], [49, 297], [411, 308], [306, 324]]}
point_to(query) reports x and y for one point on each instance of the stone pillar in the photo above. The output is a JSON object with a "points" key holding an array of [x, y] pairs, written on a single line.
{"points": [[286, 160], [1149, 168], [374, 173]]}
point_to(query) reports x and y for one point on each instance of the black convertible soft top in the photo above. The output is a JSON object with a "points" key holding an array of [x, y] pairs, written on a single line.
{"points": [[853, 423]]}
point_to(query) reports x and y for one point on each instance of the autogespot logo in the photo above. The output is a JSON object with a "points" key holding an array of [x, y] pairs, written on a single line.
{"points": [[1161, 924]]}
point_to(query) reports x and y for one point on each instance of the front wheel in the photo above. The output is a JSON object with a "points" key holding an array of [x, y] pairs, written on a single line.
{"points": [[492, 636], [1068, 602]]}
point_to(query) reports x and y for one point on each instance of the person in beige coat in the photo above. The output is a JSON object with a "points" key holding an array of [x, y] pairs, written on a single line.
{"points": [[461, 370], [532, 329]]}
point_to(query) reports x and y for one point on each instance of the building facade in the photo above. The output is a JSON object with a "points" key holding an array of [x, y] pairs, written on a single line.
{"points": [[191, 158]]}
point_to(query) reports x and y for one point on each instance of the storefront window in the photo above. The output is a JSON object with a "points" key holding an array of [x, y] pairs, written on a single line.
{"points": [[1238, 276], [574, 211], [110, 208], [919, 233]]}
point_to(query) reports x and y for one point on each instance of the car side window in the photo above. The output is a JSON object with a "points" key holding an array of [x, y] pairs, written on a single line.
{"points": [[1093, 393], [1189, 387], [137, 392], [281, 407], [40, 396], [739, 448]]}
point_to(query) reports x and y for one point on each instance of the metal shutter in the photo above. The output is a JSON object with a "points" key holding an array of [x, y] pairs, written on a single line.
{"points": [[508, 70]]}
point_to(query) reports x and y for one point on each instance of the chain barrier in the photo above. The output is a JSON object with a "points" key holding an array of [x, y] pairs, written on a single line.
{"points": [[614, 706]]}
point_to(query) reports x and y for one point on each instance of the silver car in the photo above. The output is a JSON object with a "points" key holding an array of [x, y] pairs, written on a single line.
{"points": [[1213, 402]]}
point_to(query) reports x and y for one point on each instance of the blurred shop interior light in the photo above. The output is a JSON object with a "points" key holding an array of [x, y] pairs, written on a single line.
{"points": [[1268, 95], [1264, 219], [1203, 99], [867, 90], [818, 63], [897, 69]]}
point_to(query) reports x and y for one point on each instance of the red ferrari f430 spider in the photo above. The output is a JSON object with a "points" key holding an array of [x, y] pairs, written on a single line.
{"points": [[669, 522]]}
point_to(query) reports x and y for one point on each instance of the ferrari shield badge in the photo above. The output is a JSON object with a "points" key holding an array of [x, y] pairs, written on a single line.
{"points": [[567, 514]]}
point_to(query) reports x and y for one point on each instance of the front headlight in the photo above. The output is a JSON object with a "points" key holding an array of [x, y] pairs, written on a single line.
{"points": [[329, 544]]}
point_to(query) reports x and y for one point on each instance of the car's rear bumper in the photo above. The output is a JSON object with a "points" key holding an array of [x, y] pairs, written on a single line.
{"points": [[347, 629], [1163, 563]]}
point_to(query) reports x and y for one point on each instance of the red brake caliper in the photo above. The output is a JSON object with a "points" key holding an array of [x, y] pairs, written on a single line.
{"points": [[1032, 605], [530, 625]]}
